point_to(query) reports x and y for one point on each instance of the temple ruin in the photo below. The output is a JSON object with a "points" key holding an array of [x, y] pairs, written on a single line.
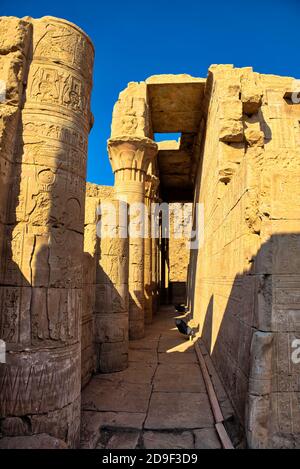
{"points": [[72, 301]]}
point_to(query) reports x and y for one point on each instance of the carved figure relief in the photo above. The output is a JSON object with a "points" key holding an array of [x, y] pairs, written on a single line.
{"points": [[45, 85], [56, 86], [66, 44]]}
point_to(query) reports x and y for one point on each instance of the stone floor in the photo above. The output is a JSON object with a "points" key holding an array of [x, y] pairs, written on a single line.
{"points": [[159, 402]]}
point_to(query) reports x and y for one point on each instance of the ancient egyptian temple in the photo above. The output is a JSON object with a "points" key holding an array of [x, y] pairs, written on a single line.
{"points": [[88, 337]]}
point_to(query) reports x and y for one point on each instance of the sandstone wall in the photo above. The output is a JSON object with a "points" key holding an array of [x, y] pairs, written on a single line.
{"points": [[244, 280], [15, 41], [179, 249], [43, 168]]}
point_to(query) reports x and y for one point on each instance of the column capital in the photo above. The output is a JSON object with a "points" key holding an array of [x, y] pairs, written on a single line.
{"points": [[131, 156]]}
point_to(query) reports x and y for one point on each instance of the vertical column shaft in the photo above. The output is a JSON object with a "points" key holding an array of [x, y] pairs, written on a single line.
{"points": [[148, 256], [130, 159], [111, 307], [150, 266], [41, 296]]}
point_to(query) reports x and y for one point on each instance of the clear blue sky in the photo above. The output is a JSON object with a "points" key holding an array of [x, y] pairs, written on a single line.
{"points": [[135, 39]]}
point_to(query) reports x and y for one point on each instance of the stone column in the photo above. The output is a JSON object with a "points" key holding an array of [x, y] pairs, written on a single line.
{"points": [[154, 274], [130, 158], [149, 266], [111, 305], [41, 293], [16, 37], [106, 283], [158, 283], [147, 253], [154, 250]]}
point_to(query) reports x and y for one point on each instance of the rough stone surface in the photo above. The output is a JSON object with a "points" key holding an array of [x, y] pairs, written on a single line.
{"points": [[167, 376], [93, 424], [42, 441], [166, 440], [124, 440], [138, 373], [207, 438], [105, 396], [177, 358], [178, 410]]}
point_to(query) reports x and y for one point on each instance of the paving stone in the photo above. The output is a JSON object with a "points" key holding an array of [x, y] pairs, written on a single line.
{"points": [[137, 372], [124, 440], [178, 402], [175, 344], [144, 344], [177, 358], [178, 410], [92, 423], [121, 397], [144, 356], [207, 438], [168, 333], [179, 377], [40, 441], [168, 440]]}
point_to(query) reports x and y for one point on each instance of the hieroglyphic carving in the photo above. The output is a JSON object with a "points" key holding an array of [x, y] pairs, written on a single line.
{"points": [[130, 158], [41, 300], [106, 285], [55, 314], [62, 132], [10, 298], [112, 297], [66, 44], [53, 86]]}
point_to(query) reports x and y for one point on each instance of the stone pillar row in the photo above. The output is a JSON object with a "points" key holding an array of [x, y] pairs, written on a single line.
{"points": [[43, 163], [152, 183], [130, 158]]}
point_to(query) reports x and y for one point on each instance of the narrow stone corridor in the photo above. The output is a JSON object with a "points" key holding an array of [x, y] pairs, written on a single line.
{"points": [[160, 401]]}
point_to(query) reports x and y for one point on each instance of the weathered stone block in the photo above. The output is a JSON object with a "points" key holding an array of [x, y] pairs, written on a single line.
{"points": [[40, 441], [111, 328], [231, 131]]}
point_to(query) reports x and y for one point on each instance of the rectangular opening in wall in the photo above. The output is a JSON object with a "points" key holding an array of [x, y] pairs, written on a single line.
{"points": [[158, 137]]}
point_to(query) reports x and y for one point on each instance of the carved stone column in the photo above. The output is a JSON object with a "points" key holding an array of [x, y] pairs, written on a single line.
{"points": [[149, 267], [111, 305], [41, 292], [130, 158], [16, 37], [159, 260], [154, 248], [147, 253]]}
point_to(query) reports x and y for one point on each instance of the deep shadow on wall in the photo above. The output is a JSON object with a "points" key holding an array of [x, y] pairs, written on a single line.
{"points": [[252, 347]]}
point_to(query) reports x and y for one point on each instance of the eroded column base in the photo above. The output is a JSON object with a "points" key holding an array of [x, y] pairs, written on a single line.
{"points": [[112, 357], [40, 393], [136, 330], [63, 424]]}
